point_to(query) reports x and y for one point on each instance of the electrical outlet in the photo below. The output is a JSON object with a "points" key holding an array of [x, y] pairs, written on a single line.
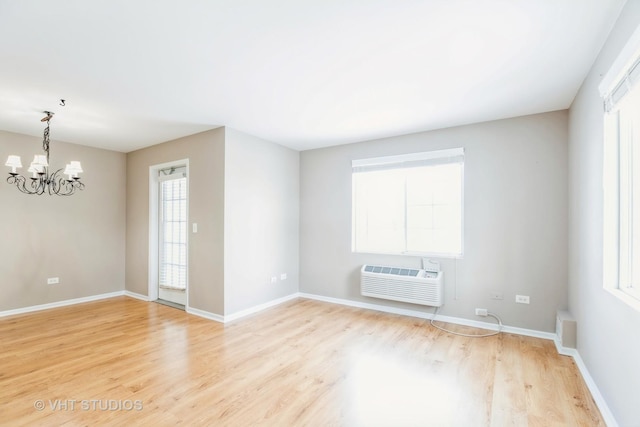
{"points": [[283, 276], [274, 279], [522, 299], [497, 295], [53, 280], [482, 312]]}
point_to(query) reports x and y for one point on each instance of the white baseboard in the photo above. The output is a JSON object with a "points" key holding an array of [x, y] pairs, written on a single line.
{"points": [[136, 296], [565, 351], [60, 303], [260, 307], [607, 416], [205, 314], [606, 413], [425, 315], [242, 313]]}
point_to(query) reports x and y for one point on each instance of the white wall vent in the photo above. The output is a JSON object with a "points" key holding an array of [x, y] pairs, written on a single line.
{"points": [[416, 286]]}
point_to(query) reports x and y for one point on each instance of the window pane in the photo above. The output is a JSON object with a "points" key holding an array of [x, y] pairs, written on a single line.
{"points": [[379, 211], [633, 111], [446, 217], [434, 209], [420, 217], [629, 196], [421, 240], [173, 247]]}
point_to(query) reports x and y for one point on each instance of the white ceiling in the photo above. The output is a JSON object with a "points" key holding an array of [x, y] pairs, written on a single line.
{"points": [[302, 73]]}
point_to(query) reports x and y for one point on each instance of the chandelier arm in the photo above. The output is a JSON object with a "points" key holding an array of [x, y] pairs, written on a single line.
{"points": [[21, 183], [57, 182], [37, 185], [61, 186], [54, 184]]}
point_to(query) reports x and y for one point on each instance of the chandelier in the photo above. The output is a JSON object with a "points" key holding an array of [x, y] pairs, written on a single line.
{"points": [[41, 181]]}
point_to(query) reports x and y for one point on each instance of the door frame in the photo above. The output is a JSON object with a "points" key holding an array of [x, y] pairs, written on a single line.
{"points": [[154, 226]]}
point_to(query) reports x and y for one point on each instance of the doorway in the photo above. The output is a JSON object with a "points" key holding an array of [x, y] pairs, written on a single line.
{"points": [[168, 244]]}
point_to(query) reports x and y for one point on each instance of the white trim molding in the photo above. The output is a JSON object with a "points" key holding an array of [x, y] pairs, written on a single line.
{"points": [[204, 314], [242, 313], [57, 304], [425, 315], [606, 413], [136, 296], [260, 307]]}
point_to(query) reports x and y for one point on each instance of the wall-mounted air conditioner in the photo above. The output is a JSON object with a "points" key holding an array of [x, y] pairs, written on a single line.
{"points": [[417, 286]]}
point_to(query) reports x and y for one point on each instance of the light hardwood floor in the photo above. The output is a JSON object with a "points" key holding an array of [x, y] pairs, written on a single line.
{"points": [[304, 363]]}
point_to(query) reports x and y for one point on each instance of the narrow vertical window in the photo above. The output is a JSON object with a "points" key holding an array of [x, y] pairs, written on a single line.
{"points": [[628, 120], [620, 90], [173, 228]]}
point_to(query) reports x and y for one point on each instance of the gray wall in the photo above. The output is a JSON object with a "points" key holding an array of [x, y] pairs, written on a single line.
{"points": [[205, 152], [515, 215], [261, 221], [608, 338], [80, 239], [244, 195]]}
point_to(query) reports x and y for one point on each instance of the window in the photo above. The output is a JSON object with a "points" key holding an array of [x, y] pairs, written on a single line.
{"points": [[621, 176], [628, 118], [409, 204], [173, 228]]}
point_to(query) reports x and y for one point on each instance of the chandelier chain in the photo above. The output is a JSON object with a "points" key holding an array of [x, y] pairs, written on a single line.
{"points": [[45, 141]]}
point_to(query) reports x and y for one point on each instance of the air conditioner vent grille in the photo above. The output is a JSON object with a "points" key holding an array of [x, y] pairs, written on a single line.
{"points": [[391, 270]]}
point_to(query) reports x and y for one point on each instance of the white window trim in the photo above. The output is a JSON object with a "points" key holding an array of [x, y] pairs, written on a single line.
{"points": [[624, 297]]}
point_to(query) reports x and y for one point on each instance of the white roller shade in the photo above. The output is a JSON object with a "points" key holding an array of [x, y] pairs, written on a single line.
{"points": [[428, 158], [623, 75]]}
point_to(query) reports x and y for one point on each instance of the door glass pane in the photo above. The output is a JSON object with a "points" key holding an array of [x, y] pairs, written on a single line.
{"points": [[173, 233]]}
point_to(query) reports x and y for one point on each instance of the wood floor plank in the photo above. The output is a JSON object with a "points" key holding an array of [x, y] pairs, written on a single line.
{"points": [[304, 363]]}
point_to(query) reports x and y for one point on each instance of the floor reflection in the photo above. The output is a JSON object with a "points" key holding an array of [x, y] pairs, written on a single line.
{"points": [[389, 391]]}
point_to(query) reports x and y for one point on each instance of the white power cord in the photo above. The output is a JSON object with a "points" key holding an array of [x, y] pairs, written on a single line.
{"points": [[495, 316]]}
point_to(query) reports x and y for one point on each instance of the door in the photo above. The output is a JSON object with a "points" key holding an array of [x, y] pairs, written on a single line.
{"points": [[172, 235]]}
